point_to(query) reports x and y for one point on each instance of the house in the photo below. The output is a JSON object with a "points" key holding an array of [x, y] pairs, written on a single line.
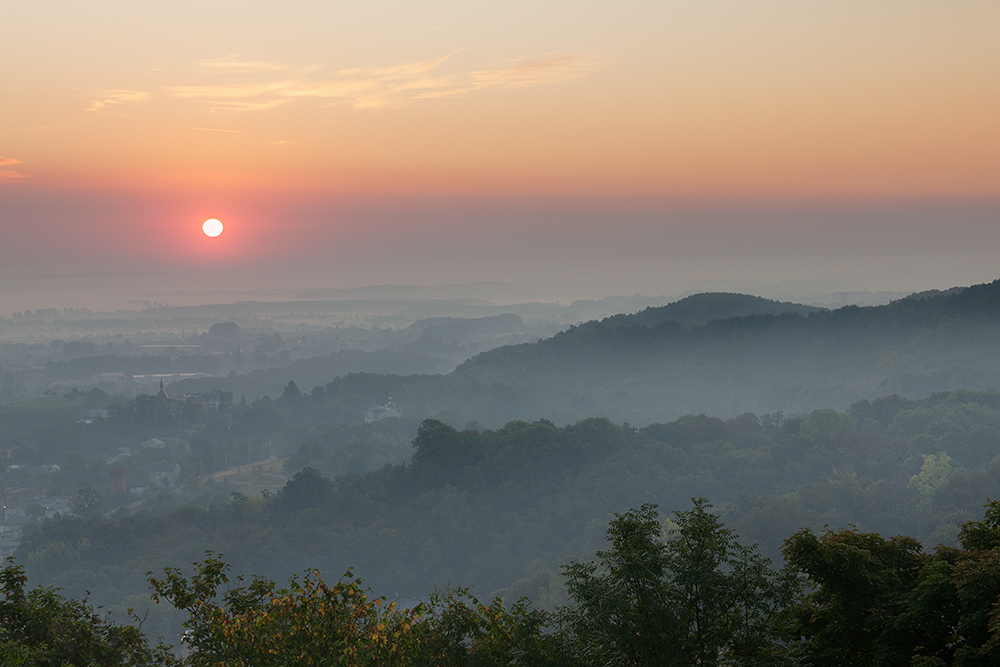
{"points": [[210, 400], [164, 473], [123, 452], [92, 415], [154, 443], [21, 495], [377, 412]]}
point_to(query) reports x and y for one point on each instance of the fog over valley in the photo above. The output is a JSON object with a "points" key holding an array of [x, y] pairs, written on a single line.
{"points": [[523, 334], [479, 443]]}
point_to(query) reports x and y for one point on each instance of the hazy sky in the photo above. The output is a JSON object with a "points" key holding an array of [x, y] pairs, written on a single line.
{"points": [[345, 144]]}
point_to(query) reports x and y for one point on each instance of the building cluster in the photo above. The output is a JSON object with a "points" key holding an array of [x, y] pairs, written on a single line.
{"points": [[377, 412], [21, 504]]}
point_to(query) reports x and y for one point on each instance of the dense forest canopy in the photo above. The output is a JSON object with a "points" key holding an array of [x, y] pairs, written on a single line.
{"points": [[506, 472], [690, 593], [499, 509]]}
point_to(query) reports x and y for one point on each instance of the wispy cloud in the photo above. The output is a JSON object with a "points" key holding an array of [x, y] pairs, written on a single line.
{"points": [[238, 90], [231, 63], [214, 129], [9, 175], [233, 84], [377, 87], [536, 71], [112, 97]]}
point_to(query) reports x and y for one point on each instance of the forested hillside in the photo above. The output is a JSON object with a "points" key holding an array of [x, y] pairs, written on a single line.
{"points": [[492, 496], [500, 509], [758, 363], [704, 308], [665, 362], [678, 591]]}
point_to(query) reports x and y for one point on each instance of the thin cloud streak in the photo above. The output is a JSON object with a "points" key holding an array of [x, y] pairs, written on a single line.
{"points": [[113, 97], [360, 87], [536, 71], [229, 64], [227, 105], [236, 91], [9, 176]]}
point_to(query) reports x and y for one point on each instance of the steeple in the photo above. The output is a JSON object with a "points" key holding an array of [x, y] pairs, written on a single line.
{"points": [[162, 393]]}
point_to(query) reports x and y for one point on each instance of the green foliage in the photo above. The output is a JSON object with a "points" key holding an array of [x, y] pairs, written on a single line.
{"points": [[291, 391], [457, 630], [307, 623], [525, 498], [884, 602], [933, 474], [87, 503], [40, 628], [309, 451], [439, 449], [862, 579], [690, 596], [305, 489], [622, 612], [823, 425], [696, 599]]}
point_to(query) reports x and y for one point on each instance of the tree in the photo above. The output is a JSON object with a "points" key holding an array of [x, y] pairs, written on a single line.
{"points": [[695, 599], [441, 452], [40, 628], [291, 392], [622, 611], [457, 630], [307, 623], [933, 475], [862, 580], [307, 488], [87, 503], [884, 601], [977, 586]]}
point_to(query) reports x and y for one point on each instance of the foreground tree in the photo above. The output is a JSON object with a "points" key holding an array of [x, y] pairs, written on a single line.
{"points": [[312, 623], [40, 628], [884, 602], [457, 630], [307, 623], [698, 598]]}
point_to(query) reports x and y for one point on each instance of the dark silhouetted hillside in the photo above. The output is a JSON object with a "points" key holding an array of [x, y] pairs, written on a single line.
{"points": [[704, 308], [624, 369]]}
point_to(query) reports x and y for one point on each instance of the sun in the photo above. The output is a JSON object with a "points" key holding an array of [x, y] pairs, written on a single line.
{"points": [[212, 227]]}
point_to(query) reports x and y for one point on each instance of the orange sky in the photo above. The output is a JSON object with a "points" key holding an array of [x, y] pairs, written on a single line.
{"points": [[151, 118]]}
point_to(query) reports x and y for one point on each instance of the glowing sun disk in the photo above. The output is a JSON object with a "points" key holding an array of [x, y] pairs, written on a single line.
{"points": [[212, 227]]}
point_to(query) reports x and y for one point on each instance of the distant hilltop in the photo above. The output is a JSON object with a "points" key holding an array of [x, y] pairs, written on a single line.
{"points": [[715, 353], [725, 354], [706, 307]]}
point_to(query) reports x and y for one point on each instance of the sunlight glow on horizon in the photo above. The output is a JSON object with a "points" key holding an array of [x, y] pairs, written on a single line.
{"points": [[363, 135], [753, 108]]}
